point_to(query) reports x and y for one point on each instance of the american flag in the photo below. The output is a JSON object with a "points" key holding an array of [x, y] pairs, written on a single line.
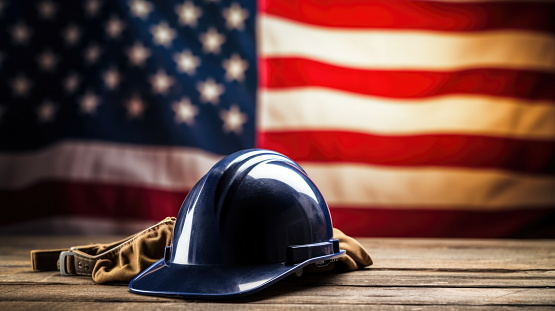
{"points": [[414, 118]]}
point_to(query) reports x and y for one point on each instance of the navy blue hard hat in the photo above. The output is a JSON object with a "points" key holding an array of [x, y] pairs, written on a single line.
{"points": [[252, 220]]}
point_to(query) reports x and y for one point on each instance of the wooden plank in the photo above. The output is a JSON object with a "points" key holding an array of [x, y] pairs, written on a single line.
{"points": [[419, 296], [180, 305], [390, 278], [211, 306], [24, 275], [285, 293], [367, 277], [455, 254]]}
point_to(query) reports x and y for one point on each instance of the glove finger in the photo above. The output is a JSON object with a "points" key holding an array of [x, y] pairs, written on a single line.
{"points": [[356, 256]]}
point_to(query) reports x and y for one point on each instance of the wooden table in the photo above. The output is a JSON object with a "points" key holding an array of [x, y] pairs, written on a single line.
{"points": [[408, 274]]}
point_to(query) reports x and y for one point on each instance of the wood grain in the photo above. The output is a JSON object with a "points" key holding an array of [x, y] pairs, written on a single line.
{"points": [[408, 274]]}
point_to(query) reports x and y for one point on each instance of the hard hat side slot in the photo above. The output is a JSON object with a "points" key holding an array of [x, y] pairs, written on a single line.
{"points": [[299, 253]]}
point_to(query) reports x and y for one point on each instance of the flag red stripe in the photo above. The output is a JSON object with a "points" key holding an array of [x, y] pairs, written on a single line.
{"points": [[526, 156], [428, 15], [88, 199], [445, 223], [300, 72], [135, 203]]}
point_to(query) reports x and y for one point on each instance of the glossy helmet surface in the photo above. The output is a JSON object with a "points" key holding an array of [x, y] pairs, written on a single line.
{"points": [[252, 220]]}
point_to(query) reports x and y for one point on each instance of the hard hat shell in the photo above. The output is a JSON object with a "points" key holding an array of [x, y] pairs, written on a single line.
{"points": [[252, 220]]}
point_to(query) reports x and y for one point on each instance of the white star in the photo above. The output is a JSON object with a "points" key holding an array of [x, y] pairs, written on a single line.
{"points": [[47, 61], [46, 111], [210, 91], [233, 119], [47, 9], [135, 107], [92, 7], [185, 112], [114, 27], [92, 53], [21, 85], [20, 33], [72, 34], [161, 82], [71, 82], [89, 102], [235, 68], [186, 62], [212, 41], [163, 34], [235, 17], [111, 78], [138, 54], [188, 13], [140, 8]]}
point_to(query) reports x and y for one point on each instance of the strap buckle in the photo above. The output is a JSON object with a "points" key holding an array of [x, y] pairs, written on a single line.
{"points": [[62, 263]]}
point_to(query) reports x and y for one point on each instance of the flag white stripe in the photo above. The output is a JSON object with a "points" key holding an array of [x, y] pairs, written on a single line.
{"points": [[341, 184], [406, 49], [363, 185], [167, 168], [314, 108]]}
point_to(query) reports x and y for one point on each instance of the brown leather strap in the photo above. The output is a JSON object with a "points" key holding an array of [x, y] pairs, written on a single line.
{"points": [[74, 261], [81, 260], [45, 260]]}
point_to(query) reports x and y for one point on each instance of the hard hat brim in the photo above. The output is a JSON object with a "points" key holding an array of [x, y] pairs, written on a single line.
{"points": [[213, 281]]}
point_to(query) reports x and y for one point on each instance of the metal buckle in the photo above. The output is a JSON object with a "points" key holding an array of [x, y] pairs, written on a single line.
{"points": [[62, 263]]}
